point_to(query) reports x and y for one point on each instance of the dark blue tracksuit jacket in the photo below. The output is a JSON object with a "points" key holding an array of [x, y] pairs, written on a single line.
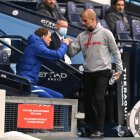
{"points": [[30, 63]]}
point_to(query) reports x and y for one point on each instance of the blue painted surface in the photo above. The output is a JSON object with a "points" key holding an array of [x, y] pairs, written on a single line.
{"points": [[14, 26], [136, 2]]}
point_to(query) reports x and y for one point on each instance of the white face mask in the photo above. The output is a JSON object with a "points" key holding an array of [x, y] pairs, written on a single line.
{"points": [[62, 31]]}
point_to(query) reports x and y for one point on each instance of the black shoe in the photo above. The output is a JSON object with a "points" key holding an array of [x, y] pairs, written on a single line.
{"points": [[83, 132], [97, 135]]}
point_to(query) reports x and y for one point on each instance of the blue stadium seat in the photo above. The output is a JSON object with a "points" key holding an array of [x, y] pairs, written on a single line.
{"points": [[13, 84], [104, 10], [72, 14], [89, 5], [5, 62], [122, 33], [136, 30], [104, 23], [121, 30], [101, 11]]}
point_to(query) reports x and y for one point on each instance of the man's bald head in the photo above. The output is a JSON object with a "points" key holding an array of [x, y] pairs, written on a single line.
{"points": [[90, 13], [88, 18]]}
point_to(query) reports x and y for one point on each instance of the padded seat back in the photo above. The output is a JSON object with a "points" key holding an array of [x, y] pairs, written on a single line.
{"points": [[122, 33], [5, 62], [136, 30], [104, 23], [72, 14], [89, 5]]}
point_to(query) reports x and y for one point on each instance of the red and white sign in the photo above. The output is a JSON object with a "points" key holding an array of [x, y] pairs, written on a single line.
{"points": [[35, 116]]}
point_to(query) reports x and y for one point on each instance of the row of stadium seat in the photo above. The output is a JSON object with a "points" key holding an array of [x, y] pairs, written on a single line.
{"points": [[73, 10]]}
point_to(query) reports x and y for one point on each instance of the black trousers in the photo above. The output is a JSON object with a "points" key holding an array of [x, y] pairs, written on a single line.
{"points": [[95, 85]]}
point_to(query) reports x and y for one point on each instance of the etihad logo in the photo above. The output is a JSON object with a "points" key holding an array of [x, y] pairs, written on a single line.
{"points": [[47, 23], [52, 76]]}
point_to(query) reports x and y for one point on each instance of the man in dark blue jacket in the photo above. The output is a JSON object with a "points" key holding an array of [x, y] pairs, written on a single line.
{"points": [[30, 63]]}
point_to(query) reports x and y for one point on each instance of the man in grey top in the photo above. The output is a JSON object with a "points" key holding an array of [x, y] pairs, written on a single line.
{"points": [[97, 45]]}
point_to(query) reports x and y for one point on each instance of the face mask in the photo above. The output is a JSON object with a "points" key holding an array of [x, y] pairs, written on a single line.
{"points": [[62, 31]]}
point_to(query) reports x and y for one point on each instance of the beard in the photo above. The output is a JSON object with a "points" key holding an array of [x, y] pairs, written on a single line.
{"points": [[121, 10]]}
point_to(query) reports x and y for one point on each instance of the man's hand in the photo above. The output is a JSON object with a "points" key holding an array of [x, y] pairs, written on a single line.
{"points": [[67, 40], [117, 75]]}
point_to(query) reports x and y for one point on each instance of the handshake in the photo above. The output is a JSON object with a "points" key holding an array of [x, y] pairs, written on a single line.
{"points": [[67, 40]]}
